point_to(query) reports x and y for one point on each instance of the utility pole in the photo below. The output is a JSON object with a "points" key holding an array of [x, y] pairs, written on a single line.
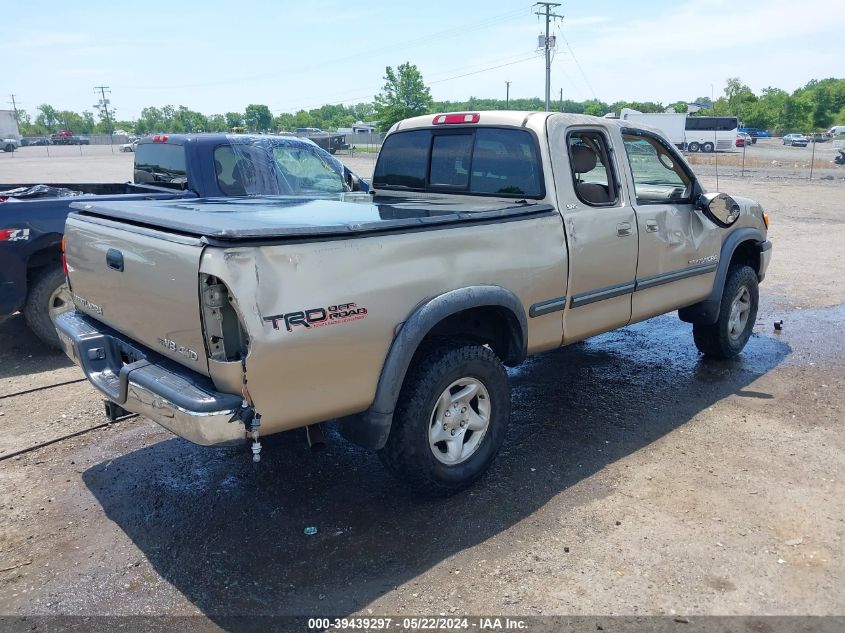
{"points": [[561, 99], [507, 95], [547, 43], [103, 106], [15, 108]]}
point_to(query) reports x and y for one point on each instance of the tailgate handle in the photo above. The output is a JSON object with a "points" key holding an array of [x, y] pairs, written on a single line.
{"points": [[114, 259]]}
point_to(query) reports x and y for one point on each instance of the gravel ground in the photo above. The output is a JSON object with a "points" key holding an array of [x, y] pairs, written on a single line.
{"points": [[636, 478]]}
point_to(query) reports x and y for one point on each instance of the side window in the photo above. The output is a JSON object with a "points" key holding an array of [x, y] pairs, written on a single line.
{"points": [[658, 176], [592, 174]]}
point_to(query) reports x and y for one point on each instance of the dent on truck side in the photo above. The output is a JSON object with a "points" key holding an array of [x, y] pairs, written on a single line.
{"points": [[300, 371], [748, 237]]}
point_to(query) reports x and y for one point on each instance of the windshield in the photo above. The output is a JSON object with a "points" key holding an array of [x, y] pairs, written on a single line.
{"points": [[276, 166]]}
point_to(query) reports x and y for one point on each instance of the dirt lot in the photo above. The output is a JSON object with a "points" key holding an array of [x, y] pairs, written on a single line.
{"points": [[636, 478]]}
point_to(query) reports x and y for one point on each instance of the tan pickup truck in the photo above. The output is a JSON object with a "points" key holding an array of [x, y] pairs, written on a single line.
{"points": [[489, 237]]}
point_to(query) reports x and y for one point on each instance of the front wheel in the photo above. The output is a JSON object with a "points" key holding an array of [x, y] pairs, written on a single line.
{"points": [[737, 314], [450, 419]]}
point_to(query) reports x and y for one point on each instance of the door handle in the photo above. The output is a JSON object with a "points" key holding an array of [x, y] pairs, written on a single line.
{"points": [[651, 226], [114, 259], [623, 229]]}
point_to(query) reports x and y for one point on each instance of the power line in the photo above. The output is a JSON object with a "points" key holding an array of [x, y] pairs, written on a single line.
{"points": [[581, 70], [345, 59], [436, 81]]}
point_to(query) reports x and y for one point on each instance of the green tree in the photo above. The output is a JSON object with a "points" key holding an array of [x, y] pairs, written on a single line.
{"points": [[48, 117], [258, 118], [234, 119], [404, 95], [217, 123]]}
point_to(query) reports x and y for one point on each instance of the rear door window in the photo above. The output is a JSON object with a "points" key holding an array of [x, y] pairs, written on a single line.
{"points": [[161, 164], [485, 161]]}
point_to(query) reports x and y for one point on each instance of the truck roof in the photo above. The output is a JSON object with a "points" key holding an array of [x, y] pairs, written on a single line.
{"points": [[216, 137], [515, 118], [277, 217]]}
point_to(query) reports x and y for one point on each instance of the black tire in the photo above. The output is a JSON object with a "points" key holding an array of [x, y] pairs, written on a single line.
{"points": [[37, 308], [9, 148], [407, 453], [707, 147], [693, 147], [715, 340]]}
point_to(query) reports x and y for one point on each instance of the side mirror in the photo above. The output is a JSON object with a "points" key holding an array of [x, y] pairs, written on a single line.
{"points": [[353, 181], [719, 207]]}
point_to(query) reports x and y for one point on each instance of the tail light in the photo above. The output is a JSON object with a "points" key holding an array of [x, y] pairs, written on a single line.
{"points": [[226, 338], [64, 259]]}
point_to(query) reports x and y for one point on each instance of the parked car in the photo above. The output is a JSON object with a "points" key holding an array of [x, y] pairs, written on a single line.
{"points": [[67, 137], [796, 140], [9, 144], [397, 313], [755, 133], [744, 139], [32, 216], [129, 147], [32, 141]]}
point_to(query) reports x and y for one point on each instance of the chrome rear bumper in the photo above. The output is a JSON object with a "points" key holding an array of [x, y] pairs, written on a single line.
{"points": [[143, 382]]}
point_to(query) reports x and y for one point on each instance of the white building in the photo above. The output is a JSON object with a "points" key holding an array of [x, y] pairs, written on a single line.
{"points": [[9, 125]]}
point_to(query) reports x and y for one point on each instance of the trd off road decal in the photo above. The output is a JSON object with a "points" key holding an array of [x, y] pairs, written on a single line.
{"points": [[318, 317]]}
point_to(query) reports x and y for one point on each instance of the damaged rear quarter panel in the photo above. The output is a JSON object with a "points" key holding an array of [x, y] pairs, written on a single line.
{"points": [[298, 374]]}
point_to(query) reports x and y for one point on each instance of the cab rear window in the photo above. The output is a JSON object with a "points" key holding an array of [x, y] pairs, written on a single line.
{"points": [[482, 161], [161, 164]]}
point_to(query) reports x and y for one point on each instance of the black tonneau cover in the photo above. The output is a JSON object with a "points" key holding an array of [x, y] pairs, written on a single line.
{"points": [[296, 217]]}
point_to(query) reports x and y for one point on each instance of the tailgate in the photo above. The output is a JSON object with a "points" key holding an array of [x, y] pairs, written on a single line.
{"points": [[142, 283]]}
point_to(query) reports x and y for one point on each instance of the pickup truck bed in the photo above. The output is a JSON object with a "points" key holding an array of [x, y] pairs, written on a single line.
{"points": [[291, 217]]}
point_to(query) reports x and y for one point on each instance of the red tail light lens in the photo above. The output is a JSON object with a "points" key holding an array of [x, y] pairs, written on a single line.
{"points": [[64, 259], [160, 138]]}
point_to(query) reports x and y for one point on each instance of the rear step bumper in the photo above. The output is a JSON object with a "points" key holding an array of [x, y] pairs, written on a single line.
{"points": [[146, 383]]}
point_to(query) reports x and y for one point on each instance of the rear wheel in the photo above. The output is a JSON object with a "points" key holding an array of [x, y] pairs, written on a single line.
{"points": [[450, 419], [693, 147], [707, 147], [738, 311], [9, 148], [49, 296]]}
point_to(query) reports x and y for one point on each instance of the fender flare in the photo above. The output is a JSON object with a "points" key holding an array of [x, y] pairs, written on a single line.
{"points": [[707, 311], [371, 428]]}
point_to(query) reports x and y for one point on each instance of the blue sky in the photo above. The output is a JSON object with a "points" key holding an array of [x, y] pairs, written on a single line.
{"points": [[216, 57]]}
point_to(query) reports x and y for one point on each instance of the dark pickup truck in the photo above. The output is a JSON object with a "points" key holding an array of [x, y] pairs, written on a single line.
{"points": [[32, 216], [329, 141]]}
